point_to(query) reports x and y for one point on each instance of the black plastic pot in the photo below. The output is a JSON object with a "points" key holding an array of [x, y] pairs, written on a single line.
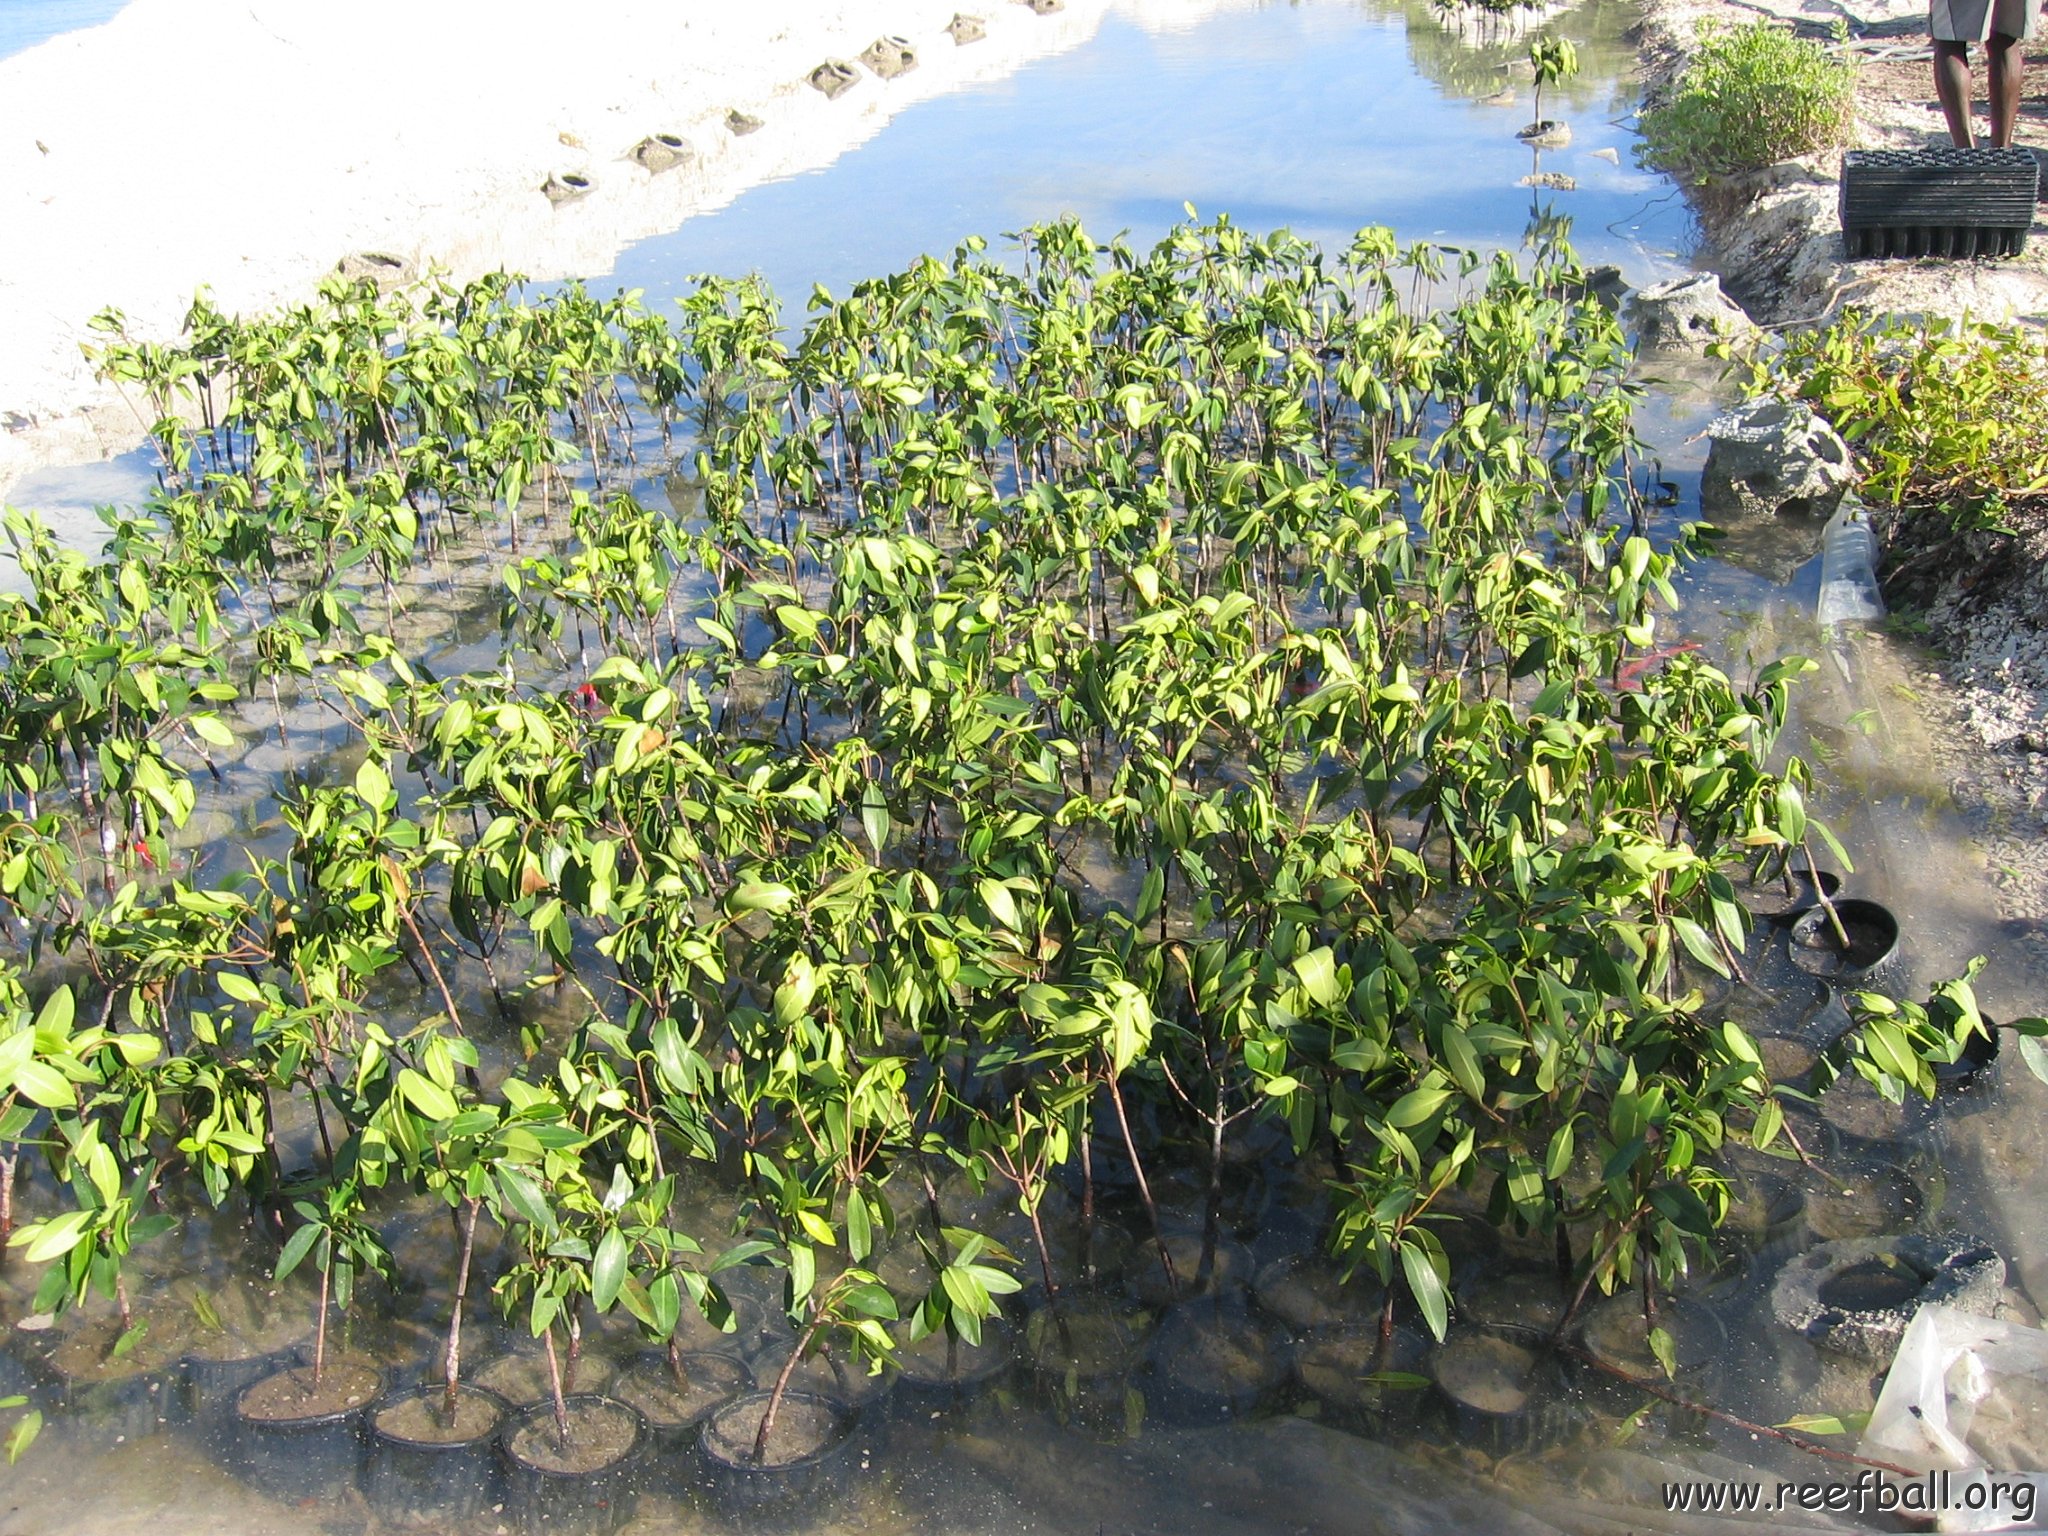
{"points": [[422, 1473], [587, 1495], [294, 1442], [1970, 1069], [674, 1410], [1082, 1358], [1873, 959], [818, 1447], [1306, 1292], [1502, 1396]]}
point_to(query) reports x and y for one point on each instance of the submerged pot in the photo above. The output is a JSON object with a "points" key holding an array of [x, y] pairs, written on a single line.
{"points": [[942, 1369], [1306, 1292], [295, 1439], [674, 1409], [1873, 958], [1615, 1335], [1213, 1364], [428, 1470], [1082, 1356], [1501, 1395], [1361, 1385], [813, 1454], [245, 1333], [584, 1488], [1968, 1071], [114, 1397]]}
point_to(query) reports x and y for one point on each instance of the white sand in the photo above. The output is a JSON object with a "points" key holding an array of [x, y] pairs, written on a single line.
{"points": [[248, 145]]}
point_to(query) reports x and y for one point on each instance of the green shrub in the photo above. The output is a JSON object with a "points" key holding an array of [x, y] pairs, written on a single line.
{"points": [[1955, 418], [1748, 98]]}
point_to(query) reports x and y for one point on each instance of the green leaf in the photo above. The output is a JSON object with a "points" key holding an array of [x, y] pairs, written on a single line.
{"points": [[427, 1096], [296, 1247], [1666, 1351], [608, 1270], [1001, 905], [1826, 1423], [1427, 1287], [26, 1428], [208, 728], [874, 817], [42, 1084], [860, 1232]]}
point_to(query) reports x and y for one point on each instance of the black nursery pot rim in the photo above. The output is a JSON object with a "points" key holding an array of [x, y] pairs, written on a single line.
{"points": [[434, 1389], [1813, 943], [846, 1419], [545, 1409]]}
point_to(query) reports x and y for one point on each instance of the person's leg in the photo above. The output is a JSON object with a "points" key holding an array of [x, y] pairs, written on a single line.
{"points": [[1952, 86], [2003, 52]]}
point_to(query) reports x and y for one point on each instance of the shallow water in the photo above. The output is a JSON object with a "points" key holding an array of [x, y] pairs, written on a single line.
{"points": [[25, 23], [1235, 113]]}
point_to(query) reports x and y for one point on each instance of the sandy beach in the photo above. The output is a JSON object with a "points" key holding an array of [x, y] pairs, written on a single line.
{"points": [[250, 145]]}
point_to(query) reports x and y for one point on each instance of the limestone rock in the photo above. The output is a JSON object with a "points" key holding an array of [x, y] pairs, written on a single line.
{"points": [[1686, 314], [1770, 455]]}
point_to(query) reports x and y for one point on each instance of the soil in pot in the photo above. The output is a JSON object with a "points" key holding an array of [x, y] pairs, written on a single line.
{"points": [[295, 1438], [1871, 957], [674, 1406], [1523, 1305], [1361, 1385], [583, 1486], [812, 1454], [827, 1373], [1781, 898], [1615, 1335], [1864, 1120], [1147, 1276], [428, 1468]]}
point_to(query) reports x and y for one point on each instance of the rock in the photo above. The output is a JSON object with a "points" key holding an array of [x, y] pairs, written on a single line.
{"points": [[1611, 155], [834, 77], [381, 267], [1686, 314], [1857, 1297], [889, 57], [660, 152], [965, 29], [1547, 134], [1501, 98], [1555, 181], [1044, 7], [566, 187], [1770, 455], [739, 124]]}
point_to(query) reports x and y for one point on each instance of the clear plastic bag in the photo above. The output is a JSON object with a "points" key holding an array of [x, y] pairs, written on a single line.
{"points": [[1968, 1396]]}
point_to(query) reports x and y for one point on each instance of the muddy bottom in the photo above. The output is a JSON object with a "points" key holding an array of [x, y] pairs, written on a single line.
{"points": [[600, 1435], [293, 1395], [423, 1420]]}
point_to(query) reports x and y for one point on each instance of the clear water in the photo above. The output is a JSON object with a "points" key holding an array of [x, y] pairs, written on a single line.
{"points": [[25, 23], [1321, 117]]}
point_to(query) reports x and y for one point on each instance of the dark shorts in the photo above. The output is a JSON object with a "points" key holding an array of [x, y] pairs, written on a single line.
{"points": [[1972, 21]]}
